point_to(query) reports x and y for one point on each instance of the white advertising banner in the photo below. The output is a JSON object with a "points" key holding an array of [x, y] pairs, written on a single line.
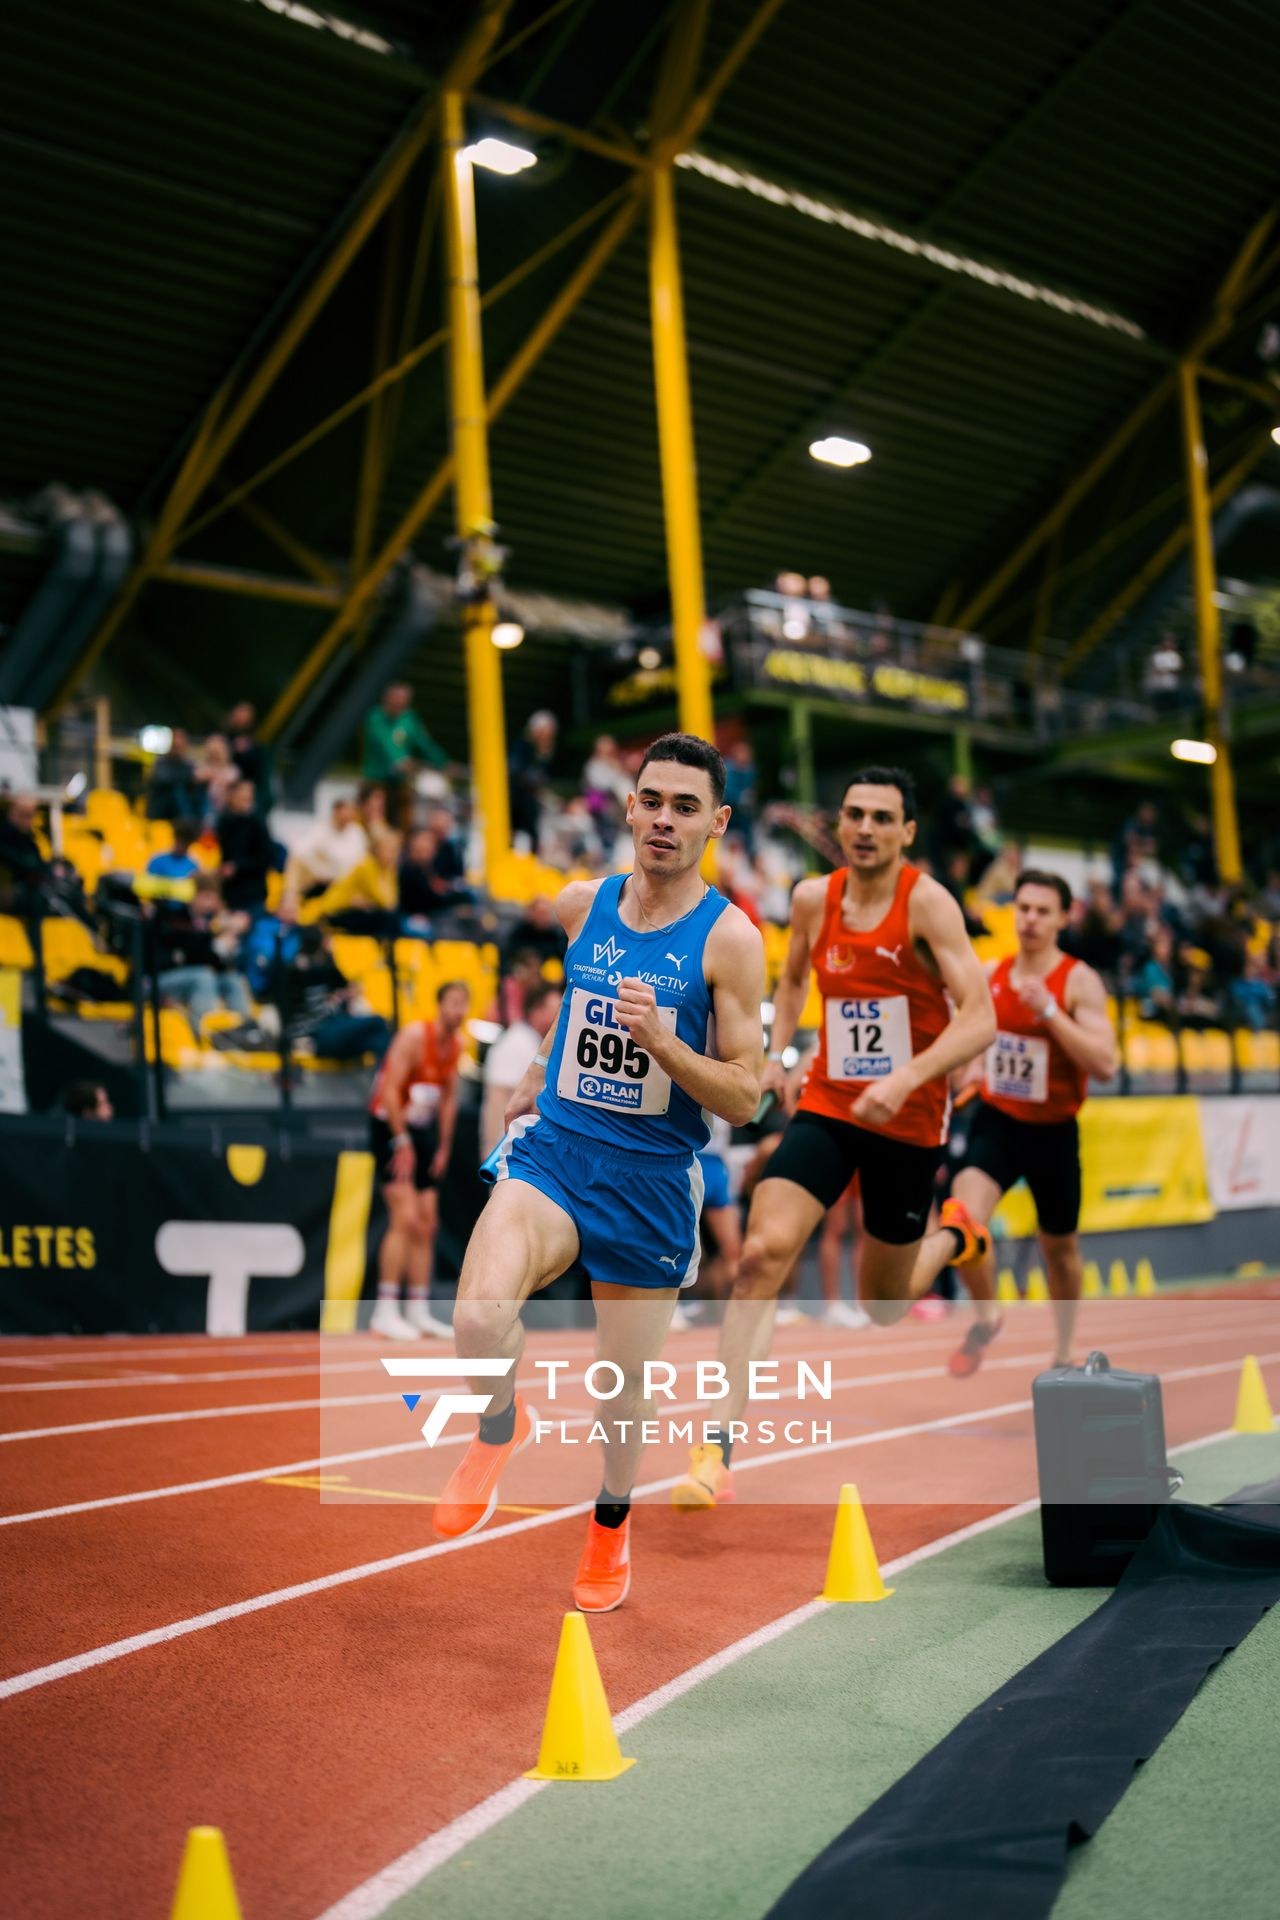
{"points": [[13, 1090], [1242, 1151]]}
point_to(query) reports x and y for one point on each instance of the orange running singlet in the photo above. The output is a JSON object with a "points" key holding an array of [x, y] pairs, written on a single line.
{"points": [[881, 1006], [1028, 1074], [437, 1066]]}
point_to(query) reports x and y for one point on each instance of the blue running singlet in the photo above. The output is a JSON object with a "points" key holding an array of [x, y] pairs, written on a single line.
{"points": [[599, 1082]]}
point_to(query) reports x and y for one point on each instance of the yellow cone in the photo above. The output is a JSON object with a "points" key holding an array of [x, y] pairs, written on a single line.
{"points": [[1253, 1409], [206, 1890], [1144, 1279], [1007, 1287], [1091, 1288], [853, 1572], [1118, 1283], [1037, 1285], [578, 1740]]}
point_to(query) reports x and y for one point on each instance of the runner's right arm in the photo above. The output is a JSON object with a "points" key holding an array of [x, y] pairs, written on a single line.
{"points": [[792, 990]]}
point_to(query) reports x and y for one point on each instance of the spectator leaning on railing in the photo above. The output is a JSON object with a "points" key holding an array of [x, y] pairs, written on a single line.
{"points": [[173, 792], [248, 852], [396, 745]]}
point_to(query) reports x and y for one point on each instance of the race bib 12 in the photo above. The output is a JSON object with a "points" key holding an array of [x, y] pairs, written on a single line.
{"points": [[867, 1039]]}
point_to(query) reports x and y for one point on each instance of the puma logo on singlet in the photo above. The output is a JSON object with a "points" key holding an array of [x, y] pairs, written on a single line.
{"points": [[676, 963], [891, 956], [667, 1259]]}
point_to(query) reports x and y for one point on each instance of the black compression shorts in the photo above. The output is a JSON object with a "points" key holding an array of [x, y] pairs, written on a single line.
{"points": [[1046, 1157], [896, 1179], [425, 1142]]}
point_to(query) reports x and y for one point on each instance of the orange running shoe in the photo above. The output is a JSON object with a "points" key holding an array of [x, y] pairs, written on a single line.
{"points": [[977, 1238], [968, 1358], [708, 1482], [603, 1579], [471, 1491]]}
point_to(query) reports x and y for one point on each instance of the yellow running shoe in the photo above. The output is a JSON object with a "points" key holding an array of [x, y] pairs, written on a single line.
{"points": [[603, 1579], [471, 1491], [708, 1482]]}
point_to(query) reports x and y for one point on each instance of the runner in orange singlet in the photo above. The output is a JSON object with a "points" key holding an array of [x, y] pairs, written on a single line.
{"points": [[1052, 1035], [889, 950]]}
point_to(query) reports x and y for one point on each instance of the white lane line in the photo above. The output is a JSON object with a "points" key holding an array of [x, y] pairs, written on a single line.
{"points": [[372, 1899], [896, 1377], [217, 1616], [313, 1368], [105, 1351]]}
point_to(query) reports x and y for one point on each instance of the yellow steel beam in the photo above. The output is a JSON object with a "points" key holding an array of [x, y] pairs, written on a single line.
{"points": [[433, 492], [1264, 395], [289, 544], [533, 122], [255, 586], [1212, 329], [1226, 824], [473, 496], [1044, 594], [406, 365], [1161, 560], [704, 103], [508, 47], [679, 473]]}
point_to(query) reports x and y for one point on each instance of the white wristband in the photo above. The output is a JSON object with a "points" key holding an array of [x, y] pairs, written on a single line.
{"points": [[1050, 1009], [402, 1140], [540, 1059]]}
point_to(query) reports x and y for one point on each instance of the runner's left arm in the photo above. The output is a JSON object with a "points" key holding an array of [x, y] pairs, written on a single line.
{"points": [[728, 1085], [1082, 1027], [938, 923]]}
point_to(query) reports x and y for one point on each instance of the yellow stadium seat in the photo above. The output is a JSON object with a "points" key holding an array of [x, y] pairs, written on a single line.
{"points": [[356, 954], [178, 1044], [376, 988], [15, 948], [67, 944], [105, 809], [158, 835]]}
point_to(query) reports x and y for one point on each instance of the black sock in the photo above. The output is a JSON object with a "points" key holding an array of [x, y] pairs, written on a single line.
{"points": [[959, 1239], [719, 1438], [611, 1512], [497, 1429]]}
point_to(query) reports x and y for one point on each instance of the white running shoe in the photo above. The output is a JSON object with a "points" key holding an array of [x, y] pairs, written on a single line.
{"points": [[682, 1321], [787, 1314], [420, 1317], [390, 1323], [846, 1314]]}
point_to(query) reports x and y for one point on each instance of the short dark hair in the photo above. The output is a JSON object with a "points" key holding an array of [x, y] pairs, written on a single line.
{"points": [[447, 986], [81, 1097], [689, 750], [887, 777], [543, 990], [1035, 877]]}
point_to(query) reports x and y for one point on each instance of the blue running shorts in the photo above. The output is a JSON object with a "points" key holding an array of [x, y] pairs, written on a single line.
{"points": [[715, 1175], [636, 1213]]}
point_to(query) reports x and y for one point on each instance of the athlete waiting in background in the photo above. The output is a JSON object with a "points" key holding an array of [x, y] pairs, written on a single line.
{"points": [[888, 946], [1053, 1034], [413, 1109], [507, 1060], [599, 1161]]}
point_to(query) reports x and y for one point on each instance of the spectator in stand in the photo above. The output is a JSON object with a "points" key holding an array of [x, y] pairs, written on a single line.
{"points": [[1099, 941], [424, 895], [88, 1100], [537, 931], [248, 755], [569, 837], [371, 806], [31, 881], [319, 1006], [1162, 675], [520, 978], [528, 772], [1152, 982], [215, 775], [248, 852], [366, 900], [328, 852], [1253, 996], [196, 953], [450, 863], [1137, 841], [173, 792], [178, 863], [953, 833], [396, 745], [741, 792], [508, 1060], [606, 788], [1197, 1005]]}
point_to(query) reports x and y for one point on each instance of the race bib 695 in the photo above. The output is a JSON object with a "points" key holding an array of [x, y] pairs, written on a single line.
{"points": [[603, 1067]]}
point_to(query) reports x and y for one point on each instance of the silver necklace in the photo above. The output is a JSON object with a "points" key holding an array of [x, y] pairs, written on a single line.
{"points": [[653, 928]]}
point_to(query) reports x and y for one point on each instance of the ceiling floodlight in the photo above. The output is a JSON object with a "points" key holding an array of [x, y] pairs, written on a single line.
{"points": [[155, 739], [1275, 435], [499, 156], [1203, 752], [650, 658], [507, 634], [837, 452]]}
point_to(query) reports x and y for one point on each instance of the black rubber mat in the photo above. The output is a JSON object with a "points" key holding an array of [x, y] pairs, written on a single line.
{"points": [[983, 1824]]}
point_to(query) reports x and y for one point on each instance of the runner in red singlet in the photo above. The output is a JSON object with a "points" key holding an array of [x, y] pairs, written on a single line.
{"points": [[413, 1106], [888, 947], [1052, 1035]]}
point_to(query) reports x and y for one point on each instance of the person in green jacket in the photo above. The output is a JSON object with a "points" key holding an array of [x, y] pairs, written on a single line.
{"points": [[396, 744]]}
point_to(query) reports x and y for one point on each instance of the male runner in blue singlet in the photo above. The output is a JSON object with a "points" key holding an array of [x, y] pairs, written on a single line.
{"points": [[660, 1020]]}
